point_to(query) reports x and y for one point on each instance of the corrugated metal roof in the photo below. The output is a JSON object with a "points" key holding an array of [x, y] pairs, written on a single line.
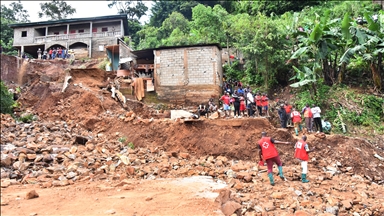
{"points": [[75, 20]]}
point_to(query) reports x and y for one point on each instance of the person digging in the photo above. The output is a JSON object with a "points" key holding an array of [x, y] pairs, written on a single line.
{"points": [[301, 153], [268, 152]]}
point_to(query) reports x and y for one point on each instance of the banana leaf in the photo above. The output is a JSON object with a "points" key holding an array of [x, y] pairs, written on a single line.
{"points": [[302, 83], [345, 24], [299, 52], [316, 33]]}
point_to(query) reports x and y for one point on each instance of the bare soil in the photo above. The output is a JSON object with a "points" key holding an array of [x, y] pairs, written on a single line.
{"points": [[84, 103]]}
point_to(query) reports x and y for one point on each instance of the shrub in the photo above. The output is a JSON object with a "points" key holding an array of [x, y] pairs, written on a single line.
{"points": [[122, 139], [130, 145], [102, 65], [26, 118], [6, 99]]}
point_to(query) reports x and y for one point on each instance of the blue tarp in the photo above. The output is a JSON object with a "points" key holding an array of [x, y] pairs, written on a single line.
{"points": [[113, 59]]}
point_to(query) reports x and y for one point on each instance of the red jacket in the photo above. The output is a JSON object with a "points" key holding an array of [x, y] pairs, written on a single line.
{"points": [[225, 99], [258, 100], [308, 113], [300, 151], [264, 101], [296, 117], [268, 150], [288, 108]]}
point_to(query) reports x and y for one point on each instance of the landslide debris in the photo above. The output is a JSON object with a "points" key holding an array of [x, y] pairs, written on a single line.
{"points": [[84, 135]]}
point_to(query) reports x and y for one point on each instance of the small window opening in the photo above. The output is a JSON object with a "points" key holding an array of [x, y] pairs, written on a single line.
{"points": [[24, 34]]}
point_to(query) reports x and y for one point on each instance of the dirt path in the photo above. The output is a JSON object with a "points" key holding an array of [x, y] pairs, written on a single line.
{"points": [[186, 196]]}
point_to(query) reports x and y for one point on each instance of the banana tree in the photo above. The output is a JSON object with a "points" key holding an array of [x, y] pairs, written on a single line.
{"points": [[306, 77], [317, 46], [370, 45]]}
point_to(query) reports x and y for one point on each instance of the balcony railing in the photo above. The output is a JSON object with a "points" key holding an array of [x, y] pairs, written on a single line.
{"points": [[61, 37]]}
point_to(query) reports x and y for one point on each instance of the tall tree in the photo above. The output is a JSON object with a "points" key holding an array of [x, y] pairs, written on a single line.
{"points": [[56, 10], [277, 7], [134, 9], [14, 14], [162, 9]]}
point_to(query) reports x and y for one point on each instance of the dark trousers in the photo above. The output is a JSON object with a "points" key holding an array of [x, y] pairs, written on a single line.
{"points": [[283, 122], [260, 109], [318, 124], [237, 108], [271, 161], [250, 109]]}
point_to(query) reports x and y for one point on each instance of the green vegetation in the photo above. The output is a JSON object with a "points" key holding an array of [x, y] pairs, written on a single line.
{"points": [[122, 139], [6, 99], [26, 118], [102, 65], [359, 111], [130, 145], [317, 47], [14, 14]]}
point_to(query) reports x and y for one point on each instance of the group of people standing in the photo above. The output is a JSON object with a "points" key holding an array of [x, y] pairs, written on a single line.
{"points": [[243, 99], [311, 114], [53, 53]]}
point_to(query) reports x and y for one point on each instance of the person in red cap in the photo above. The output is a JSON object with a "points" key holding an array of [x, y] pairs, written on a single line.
{"points": [[301, 153], [268, 152]]}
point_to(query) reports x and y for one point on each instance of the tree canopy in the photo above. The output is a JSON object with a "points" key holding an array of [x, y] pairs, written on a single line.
{"points": [[14, 14], [56, 10]]}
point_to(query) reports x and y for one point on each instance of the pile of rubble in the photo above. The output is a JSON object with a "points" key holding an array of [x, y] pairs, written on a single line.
{"points": [[58, 153]]}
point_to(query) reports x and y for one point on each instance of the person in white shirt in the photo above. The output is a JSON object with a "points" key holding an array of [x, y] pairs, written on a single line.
{"points": [[250, 102], [316, 117]]}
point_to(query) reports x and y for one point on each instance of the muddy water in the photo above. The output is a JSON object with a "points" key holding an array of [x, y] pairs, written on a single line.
{"points": [[23, 71]]}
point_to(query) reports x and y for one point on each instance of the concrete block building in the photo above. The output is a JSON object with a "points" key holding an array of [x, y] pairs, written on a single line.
{"points": [[191, 74], [88, 37]]}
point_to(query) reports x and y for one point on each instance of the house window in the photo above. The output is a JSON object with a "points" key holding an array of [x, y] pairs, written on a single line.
{"points": [[81, 31], [105, 29], [94, 29], [72, 31], [24, 34], [56, 33]]}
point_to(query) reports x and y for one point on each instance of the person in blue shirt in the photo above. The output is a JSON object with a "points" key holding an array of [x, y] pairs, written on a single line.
{"points": [[240, 91]]}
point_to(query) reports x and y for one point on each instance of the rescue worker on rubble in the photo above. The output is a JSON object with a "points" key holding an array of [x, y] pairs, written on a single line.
{"points": [[296, 119], [268, 152], [301, 153]]}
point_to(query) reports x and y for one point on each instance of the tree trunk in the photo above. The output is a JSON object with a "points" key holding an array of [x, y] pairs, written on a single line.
{"points": [[326, 72], [314, 90], [229, 60], [380, 66], [266, 72], [376, 77], [341, 75]]}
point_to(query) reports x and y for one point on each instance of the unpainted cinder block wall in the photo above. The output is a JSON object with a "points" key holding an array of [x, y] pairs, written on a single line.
{"points": [[192, 74]]}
